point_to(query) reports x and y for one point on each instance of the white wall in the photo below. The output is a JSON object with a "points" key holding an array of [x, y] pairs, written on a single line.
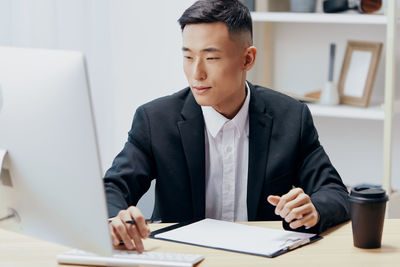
{"points": [[146, 54], [75, 25], [147, 60], [133, 50]]}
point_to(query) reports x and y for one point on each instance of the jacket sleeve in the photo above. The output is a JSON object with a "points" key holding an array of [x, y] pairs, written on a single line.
{"points": [[133, 168], [319, 179]]}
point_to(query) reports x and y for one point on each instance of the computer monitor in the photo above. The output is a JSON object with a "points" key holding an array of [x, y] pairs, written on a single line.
{"points": [[51, 176]]}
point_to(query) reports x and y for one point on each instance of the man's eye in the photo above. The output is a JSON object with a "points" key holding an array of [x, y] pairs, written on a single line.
{"points": [[212, 58], [187, 57]]}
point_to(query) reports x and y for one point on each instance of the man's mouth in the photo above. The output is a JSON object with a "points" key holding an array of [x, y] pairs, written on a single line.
{"points": [[201, 89]]}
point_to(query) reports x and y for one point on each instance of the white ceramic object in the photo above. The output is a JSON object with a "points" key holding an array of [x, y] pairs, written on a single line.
{"points": [[330, 94]]}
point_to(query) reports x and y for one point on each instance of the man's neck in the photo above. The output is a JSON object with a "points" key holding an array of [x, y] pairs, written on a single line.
{"points": [[234, 108]]}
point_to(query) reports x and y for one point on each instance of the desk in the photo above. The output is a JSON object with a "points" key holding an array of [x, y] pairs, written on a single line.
{"points": [[335, 249]]}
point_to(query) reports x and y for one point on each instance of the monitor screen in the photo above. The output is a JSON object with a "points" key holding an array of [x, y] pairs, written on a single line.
{"points": [[51, 183]]}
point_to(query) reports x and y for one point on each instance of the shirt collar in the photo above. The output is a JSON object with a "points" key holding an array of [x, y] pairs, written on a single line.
{"points": [[215, 121]]}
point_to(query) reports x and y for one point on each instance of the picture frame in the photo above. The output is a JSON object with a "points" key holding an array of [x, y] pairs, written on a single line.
{"points": [[359, 68]]}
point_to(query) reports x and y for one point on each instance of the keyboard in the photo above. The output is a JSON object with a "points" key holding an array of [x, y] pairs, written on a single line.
{"points": [[129, 258]]}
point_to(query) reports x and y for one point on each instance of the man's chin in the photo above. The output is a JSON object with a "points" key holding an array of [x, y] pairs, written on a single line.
{"points": [[202, 101]]}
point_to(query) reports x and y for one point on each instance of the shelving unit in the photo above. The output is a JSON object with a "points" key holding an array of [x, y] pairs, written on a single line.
{"points": [[384, 112], [318, 18]]}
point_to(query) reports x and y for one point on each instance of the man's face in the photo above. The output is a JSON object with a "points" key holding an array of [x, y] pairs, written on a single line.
{"points": [[214, 65]]}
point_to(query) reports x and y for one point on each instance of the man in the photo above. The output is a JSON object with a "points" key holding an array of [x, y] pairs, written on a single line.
{"points": [[223, 148]]}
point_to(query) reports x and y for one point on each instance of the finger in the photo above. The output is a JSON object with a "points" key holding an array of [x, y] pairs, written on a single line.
{"points": [[132, 229], [140, 221], [300, 200], [134, 233], [313, 221], [118, 238], [273, 200], [292, 194], [120, 228], [307, 220], [299, 212], [114, 236]]}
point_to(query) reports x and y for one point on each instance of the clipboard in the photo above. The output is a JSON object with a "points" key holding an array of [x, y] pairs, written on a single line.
{"points": [[258, 241]]}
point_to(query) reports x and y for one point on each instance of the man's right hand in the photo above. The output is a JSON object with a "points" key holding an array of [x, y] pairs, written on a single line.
{"points": [[130, 234]]}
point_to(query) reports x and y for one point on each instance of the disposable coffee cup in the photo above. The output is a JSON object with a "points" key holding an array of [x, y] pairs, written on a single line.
{"points": [[367, 212]]}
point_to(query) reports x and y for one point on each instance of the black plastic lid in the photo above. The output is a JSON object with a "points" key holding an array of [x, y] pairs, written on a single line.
{"points": [[364, 194]]}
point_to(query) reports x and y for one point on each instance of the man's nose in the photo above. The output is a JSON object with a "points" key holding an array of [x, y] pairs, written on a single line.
{"points": [[199, 73]]}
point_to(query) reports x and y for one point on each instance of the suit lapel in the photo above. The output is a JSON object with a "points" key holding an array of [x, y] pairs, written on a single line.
{"points": [[260, 124], [191, 129]]}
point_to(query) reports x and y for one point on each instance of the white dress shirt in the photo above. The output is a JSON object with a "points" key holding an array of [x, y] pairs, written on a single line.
{"points": [[227, 156]]}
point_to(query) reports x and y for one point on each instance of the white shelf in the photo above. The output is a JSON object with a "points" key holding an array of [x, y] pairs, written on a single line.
{"points": [[349, 112], [319, 18]]}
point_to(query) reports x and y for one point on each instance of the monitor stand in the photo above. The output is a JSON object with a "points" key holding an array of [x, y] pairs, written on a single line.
{"points": [[5, 180]]}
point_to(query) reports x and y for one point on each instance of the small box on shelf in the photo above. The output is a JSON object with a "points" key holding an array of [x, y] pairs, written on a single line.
{"points": [[272, 5]]}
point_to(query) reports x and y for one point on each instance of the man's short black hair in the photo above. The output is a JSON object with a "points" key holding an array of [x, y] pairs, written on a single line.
{"points": [[233, 13]]}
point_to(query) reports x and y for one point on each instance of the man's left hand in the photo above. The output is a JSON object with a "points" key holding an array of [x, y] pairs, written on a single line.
{"points": [[296, 208]]}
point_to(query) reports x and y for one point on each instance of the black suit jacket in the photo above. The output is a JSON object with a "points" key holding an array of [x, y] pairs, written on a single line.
{"points": [[167, 143]]}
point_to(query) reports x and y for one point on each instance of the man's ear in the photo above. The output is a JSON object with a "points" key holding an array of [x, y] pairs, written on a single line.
{"points": [[249, 57]]}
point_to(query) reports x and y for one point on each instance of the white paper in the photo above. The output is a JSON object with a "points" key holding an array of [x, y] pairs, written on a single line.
{"points": [[237, 237], [357, 74]]}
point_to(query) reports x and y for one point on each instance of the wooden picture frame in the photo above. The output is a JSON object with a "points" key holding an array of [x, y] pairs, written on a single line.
{"points": [[358, 72]]}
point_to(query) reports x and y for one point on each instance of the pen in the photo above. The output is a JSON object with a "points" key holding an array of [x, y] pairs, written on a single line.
{"points": [[134, 223]]}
